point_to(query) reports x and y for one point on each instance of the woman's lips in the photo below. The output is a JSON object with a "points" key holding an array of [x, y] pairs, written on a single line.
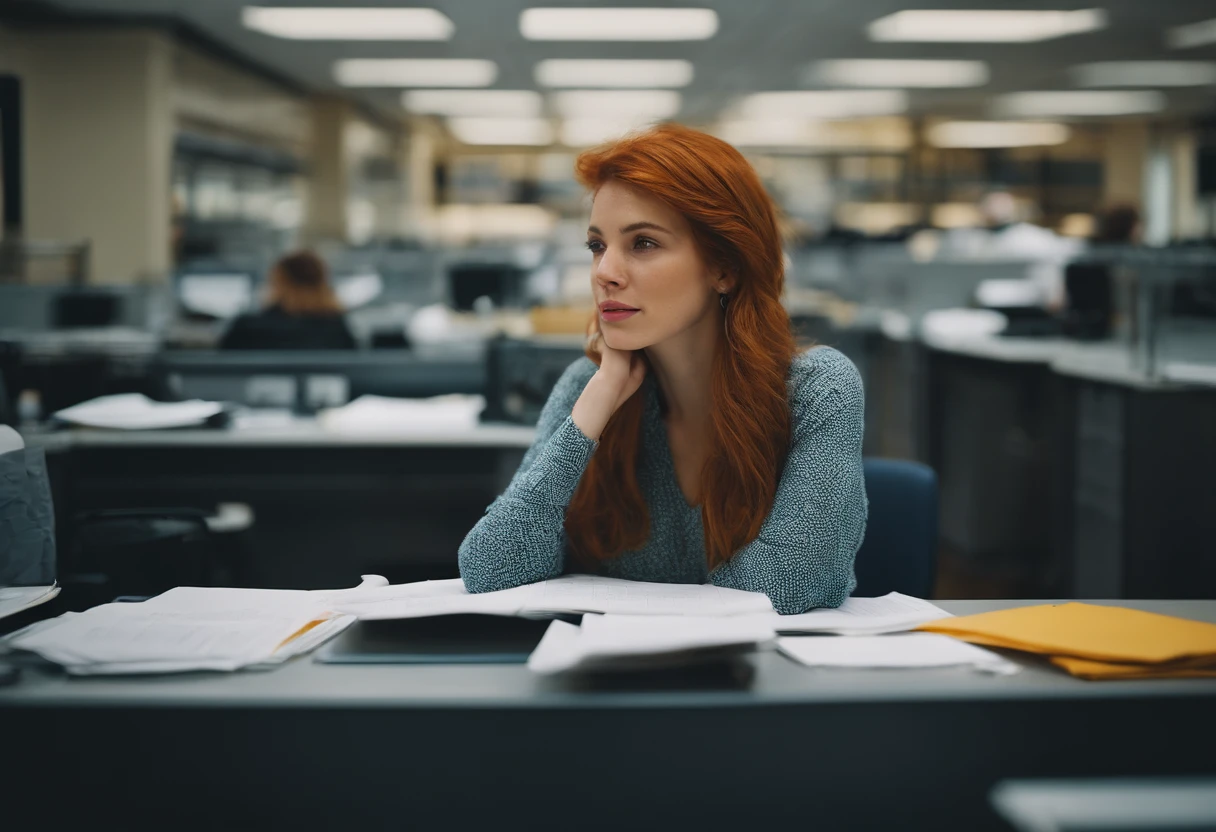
{"points": [[614, 315]]}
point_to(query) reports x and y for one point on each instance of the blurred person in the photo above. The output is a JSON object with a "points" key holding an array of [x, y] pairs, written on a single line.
{"points": [[1090, 286], [693, 443], [301, 312], [1007, 236]]}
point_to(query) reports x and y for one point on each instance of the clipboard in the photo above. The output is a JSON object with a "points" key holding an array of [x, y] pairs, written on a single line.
{"points": [[441, 639]]}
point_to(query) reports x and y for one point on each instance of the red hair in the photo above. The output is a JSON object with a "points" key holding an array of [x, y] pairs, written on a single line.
{"points": [[735, 228]]}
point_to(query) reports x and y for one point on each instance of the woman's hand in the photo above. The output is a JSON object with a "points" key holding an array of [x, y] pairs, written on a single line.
{"points": [[619, 377]]}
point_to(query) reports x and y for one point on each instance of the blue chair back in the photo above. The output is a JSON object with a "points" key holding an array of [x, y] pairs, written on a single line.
{"points": [[899, 552]]}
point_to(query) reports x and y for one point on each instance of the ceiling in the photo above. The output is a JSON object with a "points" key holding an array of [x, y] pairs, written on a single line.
{"points": [[760, 45]]}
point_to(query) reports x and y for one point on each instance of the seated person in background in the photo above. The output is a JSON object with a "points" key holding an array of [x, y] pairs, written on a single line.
{"points": [[1090, 286], [302, 312], [694, 443]]}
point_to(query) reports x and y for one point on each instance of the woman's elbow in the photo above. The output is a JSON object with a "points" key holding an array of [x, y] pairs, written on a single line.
{"points": [[488, 568], [810, 590]]}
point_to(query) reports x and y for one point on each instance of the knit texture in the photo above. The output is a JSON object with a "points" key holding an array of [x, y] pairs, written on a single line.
{"points": [[803, 555]]}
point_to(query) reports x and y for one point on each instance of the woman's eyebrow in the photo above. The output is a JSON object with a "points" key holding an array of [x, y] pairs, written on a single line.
{"points": [[636, 226]]}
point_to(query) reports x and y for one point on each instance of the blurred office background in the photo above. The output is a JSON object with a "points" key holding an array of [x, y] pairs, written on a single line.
{"points": [[1005, 214]]}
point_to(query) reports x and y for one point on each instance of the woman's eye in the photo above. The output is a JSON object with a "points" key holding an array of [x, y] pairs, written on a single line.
{"points": [[595, 246], [644, 243]]}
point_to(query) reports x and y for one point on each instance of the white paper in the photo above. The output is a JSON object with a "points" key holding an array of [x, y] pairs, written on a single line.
{"points": [[907, 650], [379, 414], [10, 440], [613, 640], [14, 599], [189, 628], [567, 594], [135, 411], [892, 613]]}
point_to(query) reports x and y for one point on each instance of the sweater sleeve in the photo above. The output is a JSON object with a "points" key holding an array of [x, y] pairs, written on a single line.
{"points": [[803, 555], [521, 538]]}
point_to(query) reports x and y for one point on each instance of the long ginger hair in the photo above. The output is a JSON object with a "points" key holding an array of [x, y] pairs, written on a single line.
{"points": [[735, 228]]}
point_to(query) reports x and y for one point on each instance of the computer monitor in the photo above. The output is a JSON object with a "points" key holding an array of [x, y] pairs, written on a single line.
{"points": [[86, 308], [467, 282]]}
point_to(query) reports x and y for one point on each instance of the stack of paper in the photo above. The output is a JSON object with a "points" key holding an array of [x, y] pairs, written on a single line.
{"points": [[379, 414], [15, 599], [567, 594], [617, 642], [135, 411], [892, 651], [1095, 642], [187, 628]]}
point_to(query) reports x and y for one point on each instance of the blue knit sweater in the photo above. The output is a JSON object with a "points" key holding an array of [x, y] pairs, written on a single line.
{"points": [[803, 556]]}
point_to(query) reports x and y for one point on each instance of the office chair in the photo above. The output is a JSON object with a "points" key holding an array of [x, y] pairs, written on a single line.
{"points": [[899, 552]]}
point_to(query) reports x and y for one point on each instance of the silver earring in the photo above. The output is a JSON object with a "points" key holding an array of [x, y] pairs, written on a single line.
{"points": [[722, 299]]}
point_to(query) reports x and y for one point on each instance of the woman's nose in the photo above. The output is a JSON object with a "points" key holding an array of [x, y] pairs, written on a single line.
{"points": [[607, 271]]}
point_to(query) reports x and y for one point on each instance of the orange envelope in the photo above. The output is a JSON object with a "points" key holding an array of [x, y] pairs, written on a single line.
{"points": [[1088, 631]]}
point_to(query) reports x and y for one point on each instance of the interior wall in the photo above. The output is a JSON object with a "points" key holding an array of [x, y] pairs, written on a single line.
{"points": [[98, 133]]}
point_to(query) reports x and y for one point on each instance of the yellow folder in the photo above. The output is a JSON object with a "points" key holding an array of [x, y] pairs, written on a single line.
{"points": [[1088, 669], [1094, 641]]}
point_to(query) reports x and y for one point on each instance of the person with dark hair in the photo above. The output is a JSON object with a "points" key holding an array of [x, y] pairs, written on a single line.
{"points": [[1089, 286], [301, 313], [694, 443], [1118, 225]]}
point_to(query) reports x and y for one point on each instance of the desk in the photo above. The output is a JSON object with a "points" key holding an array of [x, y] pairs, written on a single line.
{"points": [[328, 506], [1064, 468], [1069, 460], [377, 747]]}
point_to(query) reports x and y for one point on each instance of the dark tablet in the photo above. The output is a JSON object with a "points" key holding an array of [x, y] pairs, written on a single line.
{"points": [[441, 639]]}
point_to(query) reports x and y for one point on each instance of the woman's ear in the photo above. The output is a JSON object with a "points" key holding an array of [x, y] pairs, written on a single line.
{"points": [[726, 282]]}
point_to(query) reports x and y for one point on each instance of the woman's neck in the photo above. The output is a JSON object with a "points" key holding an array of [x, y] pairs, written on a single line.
{"points": [[683, 365]]}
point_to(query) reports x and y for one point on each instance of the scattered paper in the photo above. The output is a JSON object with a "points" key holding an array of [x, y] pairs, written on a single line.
{"points": [[620, 641], [135, 411], [188, 628], [381, 414], [892, 651], [892, 613], [15, 599], [567, 594]]}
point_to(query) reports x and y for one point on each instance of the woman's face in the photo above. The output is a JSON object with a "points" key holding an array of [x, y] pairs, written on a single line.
{"points": [[646, 261]]}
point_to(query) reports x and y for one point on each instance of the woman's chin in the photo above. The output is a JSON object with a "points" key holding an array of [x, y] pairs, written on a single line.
{"points": [[619, 341]]}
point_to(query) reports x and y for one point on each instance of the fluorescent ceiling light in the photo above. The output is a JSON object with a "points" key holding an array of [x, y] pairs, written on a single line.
{"points": [[348, 24], [613, 73], [769, 133], [1079, 103], [897, 73], [984, 26], [997, 134], [1192, 35], [1145, 74], [627, 24], [473, 102], [414, 72], [616, 104], [587, 132], [802, 104], [502, 131]]}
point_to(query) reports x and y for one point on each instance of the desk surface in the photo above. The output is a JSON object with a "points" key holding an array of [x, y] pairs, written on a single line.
{"points": [[291, 432], [308, 746], [777, 681]]}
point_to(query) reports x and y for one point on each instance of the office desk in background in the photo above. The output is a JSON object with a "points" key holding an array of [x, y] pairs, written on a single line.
{"points": [[327, 506], [1064, 468], [378, 747]]}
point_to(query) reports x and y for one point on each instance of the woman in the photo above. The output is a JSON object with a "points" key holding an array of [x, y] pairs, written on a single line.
{"points": [[693, 443], [302, 312]]}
